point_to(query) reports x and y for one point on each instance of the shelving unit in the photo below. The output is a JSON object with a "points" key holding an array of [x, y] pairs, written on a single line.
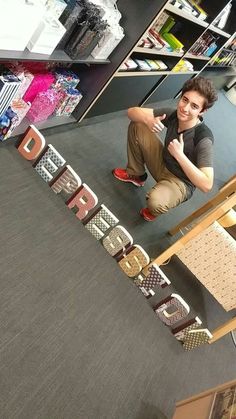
{"points": [[163, 87]]}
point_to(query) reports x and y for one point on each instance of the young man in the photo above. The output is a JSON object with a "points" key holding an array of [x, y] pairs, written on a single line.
{"points": [[185, 160]]}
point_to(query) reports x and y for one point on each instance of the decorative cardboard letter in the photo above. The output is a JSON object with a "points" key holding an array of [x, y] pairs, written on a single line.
{"points": [[38, 143], [84, 199], [155, 278], [101, 222], [172, 309], [181, 332], [135, 261], [48, 163], [196, 338], [67, 180], [117, 240]]}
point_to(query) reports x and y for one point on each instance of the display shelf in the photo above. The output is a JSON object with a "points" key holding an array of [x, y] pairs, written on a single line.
{"points": [[196, 57], [228, 50], [154, 51], [140, 73], [57, 55], [186, 15], [219, 31], [50, 122], [150, 73]]}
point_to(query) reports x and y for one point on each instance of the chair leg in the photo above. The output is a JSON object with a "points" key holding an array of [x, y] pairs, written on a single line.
{"points": [[227, 327]]}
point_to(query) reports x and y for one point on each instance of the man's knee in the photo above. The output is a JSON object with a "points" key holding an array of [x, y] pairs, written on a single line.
{"points": [[156, 205], [160, 200]]}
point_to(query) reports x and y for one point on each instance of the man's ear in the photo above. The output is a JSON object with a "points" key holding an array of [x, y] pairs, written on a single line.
{"points": [[202, 112]]}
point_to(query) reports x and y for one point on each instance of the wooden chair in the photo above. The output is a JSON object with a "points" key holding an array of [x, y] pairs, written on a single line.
{"points": [[210, 252], [223, 193]]}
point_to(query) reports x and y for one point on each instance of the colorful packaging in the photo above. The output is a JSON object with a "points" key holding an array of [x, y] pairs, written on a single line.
{"points": [[25, 77], [6, 121], [43, 105], [75, 97], [69, 99], [41, 83], [20, 107], [65, 79]]}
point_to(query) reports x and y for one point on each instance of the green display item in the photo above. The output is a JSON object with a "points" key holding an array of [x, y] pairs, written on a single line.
{"points": [[172, 40], [153, 64], [167, 25]]}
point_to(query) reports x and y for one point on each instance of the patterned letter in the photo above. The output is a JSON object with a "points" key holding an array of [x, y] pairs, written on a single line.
{"points": [[117, 240], [135, 261], [196, 338], [155, 278], [172, 309], [67, 180], [48, 163], [31, 134], [84, 199], [101, 222], [182, 331]]}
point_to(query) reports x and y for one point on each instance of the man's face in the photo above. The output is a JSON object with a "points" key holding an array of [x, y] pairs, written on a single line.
{"points": [[190, 106]]}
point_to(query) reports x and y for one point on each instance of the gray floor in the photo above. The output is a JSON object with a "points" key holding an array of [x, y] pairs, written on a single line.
{"points": [[77, 339]]}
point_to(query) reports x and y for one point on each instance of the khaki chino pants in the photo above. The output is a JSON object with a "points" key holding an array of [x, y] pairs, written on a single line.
{"points": [[144, 148]]}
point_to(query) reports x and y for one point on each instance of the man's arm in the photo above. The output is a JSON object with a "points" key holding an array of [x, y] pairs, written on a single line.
{"points": [[146, 116], [202, 177]]}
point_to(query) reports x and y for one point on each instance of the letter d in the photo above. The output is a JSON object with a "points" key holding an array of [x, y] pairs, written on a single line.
{"points": [[31, 135]]}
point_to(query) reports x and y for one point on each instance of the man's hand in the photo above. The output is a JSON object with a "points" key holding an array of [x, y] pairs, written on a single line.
{"points": [[157, 126], [176, 147]]}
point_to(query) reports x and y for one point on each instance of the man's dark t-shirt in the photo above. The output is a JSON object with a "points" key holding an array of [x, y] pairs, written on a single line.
{"points": [[198, 146]]}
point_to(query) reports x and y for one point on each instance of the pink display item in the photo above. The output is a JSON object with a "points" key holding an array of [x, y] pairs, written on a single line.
{"points": [[61, 103], [43, 105], [40, 83]]}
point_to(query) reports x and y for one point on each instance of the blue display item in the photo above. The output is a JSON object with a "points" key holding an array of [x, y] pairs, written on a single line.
{"points": [[212, 47], [74, 92], [5, 122]]}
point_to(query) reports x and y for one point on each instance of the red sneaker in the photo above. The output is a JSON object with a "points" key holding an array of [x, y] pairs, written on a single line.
{"points": [[122, 175], [145, 213]]}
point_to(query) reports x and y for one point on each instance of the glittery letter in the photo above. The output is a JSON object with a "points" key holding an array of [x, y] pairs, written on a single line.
{"points": [[135, 261]]}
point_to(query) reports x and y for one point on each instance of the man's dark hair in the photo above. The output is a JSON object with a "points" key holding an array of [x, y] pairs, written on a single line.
{"points": [[204, 87]]}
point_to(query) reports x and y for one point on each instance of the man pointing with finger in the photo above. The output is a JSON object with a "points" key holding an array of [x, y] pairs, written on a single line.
{"points": [[184, 162]]}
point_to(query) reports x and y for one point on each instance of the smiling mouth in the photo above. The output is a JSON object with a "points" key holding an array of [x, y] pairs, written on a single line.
{"points": [[182, 113]]}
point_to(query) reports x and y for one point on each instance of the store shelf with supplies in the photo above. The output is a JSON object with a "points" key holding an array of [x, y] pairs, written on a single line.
{"points": [[188, 30]]}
